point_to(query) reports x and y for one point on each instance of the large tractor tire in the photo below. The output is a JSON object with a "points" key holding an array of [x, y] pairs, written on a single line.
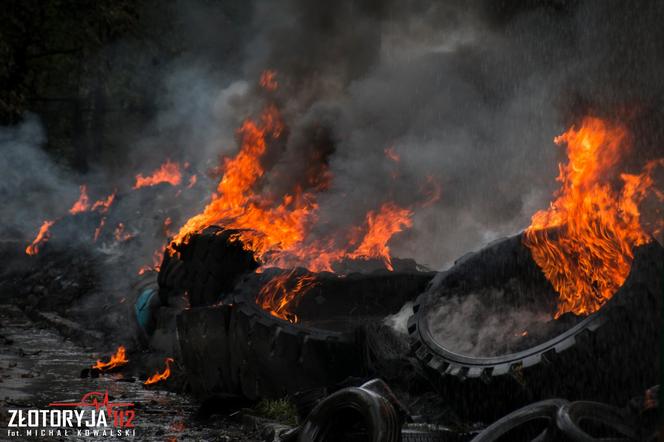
{"points": [[230, 344], [241, 349], [608, 356]]}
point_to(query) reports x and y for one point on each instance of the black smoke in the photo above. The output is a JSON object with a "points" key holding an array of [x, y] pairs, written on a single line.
{"points": [[470, 93]]}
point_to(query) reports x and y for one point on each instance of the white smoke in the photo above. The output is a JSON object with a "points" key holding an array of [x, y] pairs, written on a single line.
{"points": [[472, 325]]}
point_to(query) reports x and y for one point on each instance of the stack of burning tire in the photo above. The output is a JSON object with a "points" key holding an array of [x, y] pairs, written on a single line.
{"points": [[230, 344], [483, 330]]}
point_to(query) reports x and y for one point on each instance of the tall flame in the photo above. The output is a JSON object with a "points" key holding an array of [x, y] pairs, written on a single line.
{"points": [[235, 205], [117, 360], [278, 229], [594, 221], [158, 377], [390, 219]]}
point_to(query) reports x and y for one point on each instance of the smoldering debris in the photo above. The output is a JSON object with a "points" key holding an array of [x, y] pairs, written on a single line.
{"points": [[483, 324]]}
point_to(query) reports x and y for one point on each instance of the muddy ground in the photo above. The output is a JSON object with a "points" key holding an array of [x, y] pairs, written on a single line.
{"points": [[38, 366]]}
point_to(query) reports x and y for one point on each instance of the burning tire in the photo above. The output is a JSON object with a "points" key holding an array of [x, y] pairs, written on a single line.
{"points": [[251, 352], [238, 347], [206, 267], [573, 357], [272, 357]]}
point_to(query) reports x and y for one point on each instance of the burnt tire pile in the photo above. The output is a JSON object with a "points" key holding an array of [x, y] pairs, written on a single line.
{"points": [[231, 345], [241, 349], [371, 412]]}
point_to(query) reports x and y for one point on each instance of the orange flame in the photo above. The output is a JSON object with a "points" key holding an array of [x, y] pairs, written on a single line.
{"points": [[117, 360], [389, 220], [166, 227], [104, 204], [121, 234], [169, 172], [158, 377], [42, 237], [278, 229], [83, 203], [157, 258], [236, 206], [268, 80], [392, 154], [99, 228], [278, 295], [588, 255], [277, 232]]}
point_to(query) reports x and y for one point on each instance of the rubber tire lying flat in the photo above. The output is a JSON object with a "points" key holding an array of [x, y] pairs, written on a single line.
{"points": [[241, 349], [270, 357], [203, 338], [381, 421], [543, 410], [248, 351], [570, 416]]}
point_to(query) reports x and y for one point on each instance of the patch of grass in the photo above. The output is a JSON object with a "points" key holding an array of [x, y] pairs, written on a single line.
{"points": [[280, 410]]}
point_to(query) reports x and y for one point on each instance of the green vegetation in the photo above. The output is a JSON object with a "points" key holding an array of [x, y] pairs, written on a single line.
{"points": [[280, 410]]}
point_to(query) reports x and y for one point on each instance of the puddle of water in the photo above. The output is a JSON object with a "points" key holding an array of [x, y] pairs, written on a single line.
{"points": [[37, 367]]}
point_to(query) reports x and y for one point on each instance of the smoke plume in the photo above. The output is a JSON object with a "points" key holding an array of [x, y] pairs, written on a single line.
{"points": [[468, 95]]}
